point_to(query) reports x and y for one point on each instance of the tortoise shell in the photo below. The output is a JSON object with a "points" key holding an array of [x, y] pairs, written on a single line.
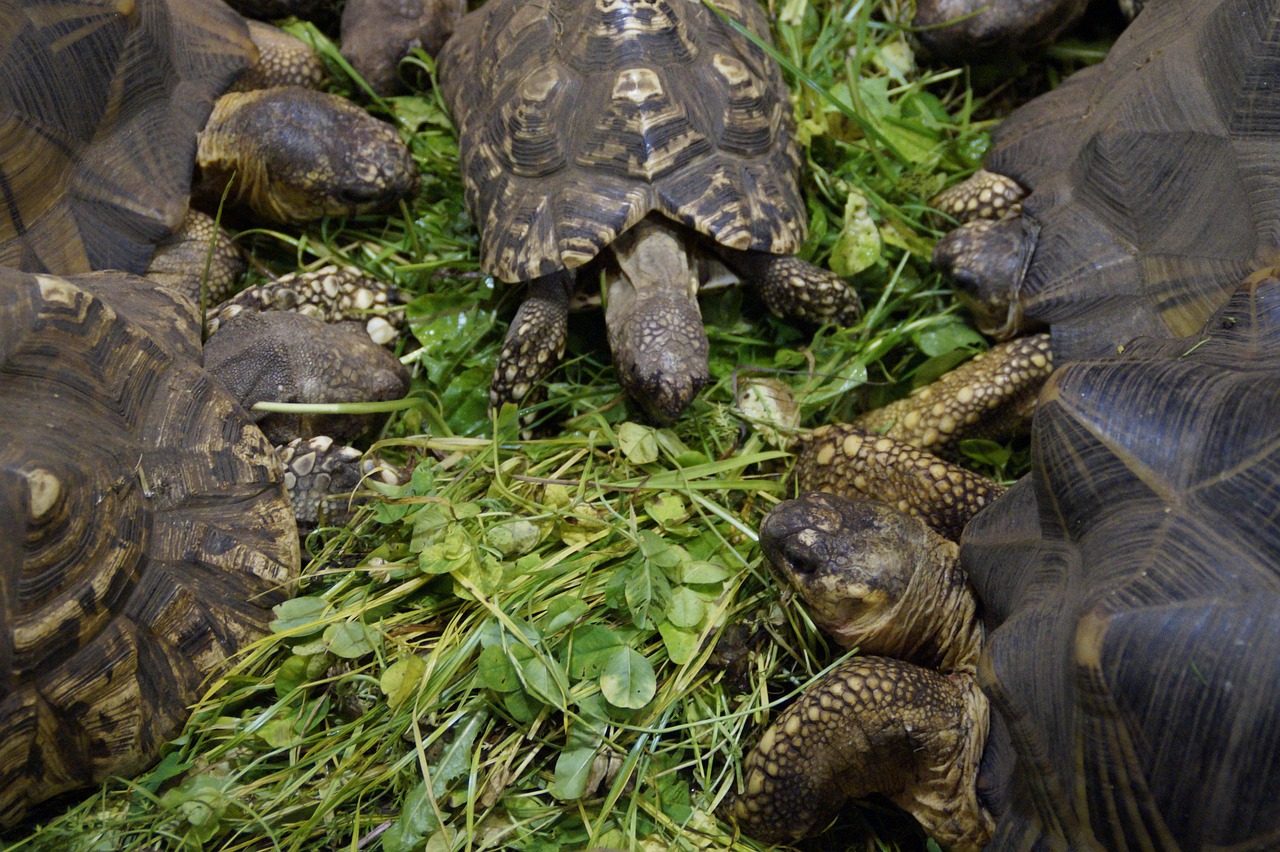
{"points": [[144, 529], [583, 116], [1131, 587], [96, 158], [1154, 180]]}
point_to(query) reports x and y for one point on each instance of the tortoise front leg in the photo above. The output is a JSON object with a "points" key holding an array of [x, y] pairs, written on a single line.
{"points": [[535, 340], [873, 725], [792, 287], [992, 395]]}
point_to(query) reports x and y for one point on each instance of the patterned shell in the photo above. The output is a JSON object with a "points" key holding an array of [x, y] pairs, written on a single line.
{"points": [[577, 118], [1155, 176], [1133, 584], [100, 103], [144, 529]]}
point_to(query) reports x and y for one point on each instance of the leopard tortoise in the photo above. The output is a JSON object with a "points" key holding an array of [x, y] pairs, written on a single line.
{"points": [[652, 128], [145, 535], [1125, 693]]}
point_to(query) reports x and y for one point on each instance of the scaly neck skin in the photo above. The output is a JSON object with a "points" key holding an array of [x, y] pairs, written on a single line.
{"points": [[218, 159], [914, 731], [934, 623], [655, 325], [654, 257], [877, 579]]}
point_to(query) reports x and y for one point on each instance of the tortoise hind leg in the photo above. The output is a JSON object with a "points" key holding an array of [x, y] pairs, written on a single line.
{"points": [[792, 287], [535, 340]]}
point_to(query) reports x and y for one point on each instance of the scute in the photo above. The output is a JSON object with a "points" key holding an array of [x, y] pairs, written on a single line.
{"points": [[618, 33], [145, 532], [66, 212], [658, 106], [1131, 585], [1152, 177]]}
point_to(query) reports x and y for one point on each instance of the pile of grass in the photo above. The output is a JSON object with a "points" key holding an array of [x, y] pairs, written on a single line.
{"points": [[567, 641]]}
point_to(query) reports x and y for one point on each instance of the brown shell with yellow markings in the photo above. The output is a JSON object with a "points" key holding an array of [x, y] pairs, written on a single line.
{"points": [[96, 156], [144, 529], [590, 114], [1131, 586]]}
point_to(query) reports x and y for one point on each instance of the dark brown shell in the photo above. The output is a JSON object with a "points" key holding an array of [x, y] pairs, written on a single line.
{"points": [[144, 529], [1132, 585], [1155, 177], [576, 118], [99, 112]]}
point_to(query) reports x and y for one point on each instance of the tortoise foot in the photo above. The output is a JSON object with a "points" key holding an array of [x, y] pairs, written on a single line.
{"points": [[534, 343], [792, 287]]}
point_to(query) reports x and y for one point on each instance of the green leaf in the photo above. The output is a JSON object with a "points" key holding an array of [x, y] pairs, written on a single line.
{"points": [[522, 707], [457, 756], [561, 613], [638, 443], [858, 246], [202, 802], [944, 337], [659, 551], [400, 681], [687, 609], [591, 646], [300, 616], [986, 452], [350, 639], [279, 733], [451, 551], [628, 680], [495, 670], [514, 538], [291, 675], [417, 820], [573, 766], [647, 591], [541, 681], [703, 572], [485, 575], [666, 509], [681, 644], [171, 767]]}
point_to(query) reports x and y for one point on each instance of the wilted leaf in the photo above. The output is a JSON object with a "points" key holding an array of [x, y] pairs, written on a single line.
{"points": [[638, 443], [400, 681]]}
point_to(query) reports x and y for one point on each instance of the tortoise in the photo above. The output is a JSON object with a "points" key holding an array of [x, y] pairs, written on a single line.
{"points": [[648, 127], [146, 531], [102, 112], [977, 30], [126, 465], [1131, 198], [1130, 592], [377, 34]]}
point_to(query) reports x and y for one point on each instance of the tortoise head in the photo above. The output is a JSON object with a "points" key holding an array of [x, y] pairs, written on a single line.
{"points": [[875, 577], [297, 155], [988, 260]]}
